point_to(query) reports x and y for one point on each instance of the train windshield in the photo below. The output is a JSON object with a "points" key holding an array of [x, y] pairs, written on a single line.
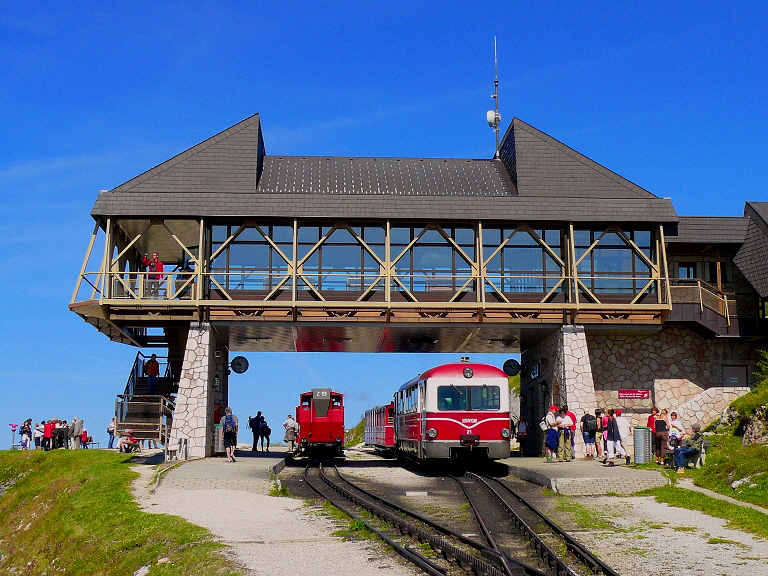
{"points": [[468, 398]]}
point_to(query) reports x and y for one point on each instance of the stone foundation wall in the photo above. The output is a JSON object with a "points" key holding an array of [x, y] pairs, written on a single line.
{"points": [[681, 369]]}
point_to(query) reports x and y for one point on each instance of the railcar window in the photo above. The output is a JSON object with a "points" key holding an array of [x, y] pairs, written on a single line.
{"points": [[484, 398], [468, 398], [452, 398]]}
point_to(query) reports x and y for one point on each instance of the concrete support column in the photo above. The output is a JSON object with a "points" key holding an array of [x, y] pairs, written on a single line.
{"points": [[193, 417]]}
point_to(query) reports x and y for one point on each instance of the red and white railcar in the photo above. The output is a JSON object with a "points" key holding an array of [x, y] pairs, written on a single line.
{"points": [[320, 416], [380, 429], [454, 411]]}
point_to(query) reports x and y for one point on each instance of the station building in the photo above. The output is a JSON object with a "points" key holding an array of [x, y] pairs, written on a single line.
{"points": [[611, 297]]}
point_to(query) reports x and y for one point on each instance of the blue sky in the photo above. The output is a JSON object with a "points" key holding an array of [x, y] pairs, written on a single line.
{"points": [[672, 97]]}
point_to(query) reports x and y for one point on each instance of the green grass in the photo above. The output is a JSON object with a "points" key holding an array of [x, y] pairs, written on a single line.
{"points": [[73, 512], [728, 460], [355, 435], [737, 517], [582, 515]]}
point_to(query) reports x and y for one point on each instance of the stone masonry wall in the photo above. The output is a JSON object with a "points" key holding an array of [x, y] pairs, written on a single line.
{"points": [[680, 368], [193, 416]]}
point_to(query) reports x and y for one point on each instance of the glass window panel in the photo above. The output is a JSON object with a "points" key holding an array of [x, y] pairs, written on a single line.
{"points": [[341, 257], [220, 261], [641, 268], [585, 267], [400, 236], [373, 234], [309, 234], [282, 234], [461, 261], [342, 236], [246, 255], [550, 265], [451, 398], [370, 264], [506, 232], [484, 397], [642, 238], [523, 238], [613, 285], [612, 260], [582, 238], [286, 249], [491, 236], [611, 239], [494, 265], [431, 236], [248, 235], [324, 230], [552, 237], [432, 257], [527, 259], [311, 262], [464, 236], [220, 233]]}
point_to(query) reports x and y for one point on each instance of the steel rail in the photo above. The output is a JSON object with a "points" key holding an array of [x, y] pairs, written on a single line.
{"points": [[517, 567], [419, 560], [449, 551], [577, 549], [510, 565]]}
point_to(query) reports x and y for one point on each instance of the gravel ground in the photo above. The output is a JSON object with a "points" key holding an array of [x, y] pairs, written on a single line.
{"points": [[653, 538], [268, 535], [292, 539]]}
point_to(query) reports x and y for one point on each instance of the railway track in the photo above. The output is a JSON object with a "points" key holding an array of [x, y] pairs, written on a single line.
{"points": [[518, 539]]}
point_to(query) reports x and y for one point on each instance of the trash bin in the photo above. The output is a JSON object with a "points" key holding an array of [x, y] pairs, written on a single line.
{"points": [[643, 444], [218, 441]]}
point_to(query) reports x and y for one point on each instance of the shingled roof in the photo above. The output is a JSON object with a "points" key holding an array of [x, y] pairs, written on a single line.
{"points": [[710, 230], [536, 178], [751, 256]]}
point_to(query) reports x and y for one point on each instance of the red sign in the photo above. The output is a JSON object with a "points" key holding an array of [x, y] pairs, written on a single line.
{"points": [[636, 394]]}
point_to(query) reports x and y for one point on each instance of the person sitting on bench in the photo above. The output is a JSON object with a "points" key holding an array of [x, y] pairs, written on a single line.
{"points": [[688, 447], [127, 442]]}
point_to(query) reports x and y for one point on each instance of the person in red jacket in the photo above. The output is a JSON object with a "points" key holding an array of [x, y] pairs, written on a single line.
{"points": [[48, 434], [155, 276]]}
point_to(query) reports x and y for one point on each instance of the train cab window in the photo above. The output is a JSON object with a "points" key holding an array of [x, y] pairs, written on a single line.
{"points": [[468, 398], [451, 398], [484, 398]]}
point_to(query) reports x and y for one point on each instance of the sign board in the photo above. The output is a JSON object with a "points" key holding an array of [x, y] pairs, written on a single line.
{"points": [[635, 394]]}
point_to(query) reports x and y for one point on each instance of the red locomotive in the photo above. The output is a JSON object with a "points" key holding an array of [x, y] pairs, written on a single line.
{"points": [[380, 428], [320, 415], [455, 411]]}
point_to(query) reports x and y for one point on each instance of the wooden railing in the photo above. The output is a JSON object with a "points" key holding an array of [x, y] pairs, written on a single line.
{"points": [[695, 291], [149, 417]]}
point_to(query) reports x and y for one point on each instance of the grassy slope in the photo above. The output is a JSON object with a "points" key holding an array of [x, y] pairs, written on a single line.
{"points": [[72, 512], [355, 435]]}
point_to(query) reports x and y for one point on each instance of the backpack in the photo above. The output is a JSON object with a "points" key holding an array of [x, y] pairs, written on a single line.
{"points": [[590, 424], [543, 424], [229, 424]]}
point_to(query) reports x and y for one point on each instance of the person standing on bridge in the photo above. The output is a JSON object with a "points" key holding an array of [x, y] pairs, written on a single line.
{"points": [[155, 268]]}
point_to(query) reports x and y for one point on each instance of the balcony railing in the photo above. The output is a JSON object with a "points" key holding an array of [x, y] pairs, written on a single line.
{"points": [[695, 291]]}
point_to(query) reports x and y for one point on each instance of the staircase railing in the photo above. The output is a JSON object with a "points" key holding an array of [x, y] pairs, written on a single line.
{"points": [[137, 371], [148, 417], [695, 291]]}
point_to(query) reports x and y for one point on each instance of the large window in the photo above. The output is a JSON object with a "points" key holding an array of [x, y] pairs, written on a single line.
{"points": [[523, 259], [249, 261], [451, 398], [438, 260], [608, 263]]}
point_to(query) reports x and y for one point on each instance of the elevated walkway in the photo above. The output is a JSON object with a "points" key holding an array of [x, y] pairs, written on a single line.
{"points": [[585, 477]]}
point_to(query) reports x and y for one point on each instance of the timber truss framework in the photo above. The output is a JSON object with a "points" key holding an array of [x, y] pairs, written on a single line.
{"points": [[389, 286]]}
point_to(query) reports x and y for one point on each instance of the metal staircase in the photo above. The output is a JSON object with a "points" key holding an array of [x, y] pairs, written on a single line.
{"points": [[150, 417]]}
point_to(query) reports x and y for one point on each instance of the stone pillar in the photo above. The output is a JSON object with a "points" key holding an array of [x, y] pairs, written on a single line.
{"points": [[558, 371], [577, 388], [193, 416]]}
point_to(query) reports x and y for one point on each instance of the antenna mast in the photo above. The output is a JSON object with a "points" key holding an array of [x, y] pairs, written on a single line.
{"points": [[492, 116]]}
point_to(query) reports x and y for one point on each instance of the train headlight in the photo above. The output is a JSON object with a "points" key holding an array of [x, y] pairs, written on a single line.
{"points": [[505, 433], [431, 433]]}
